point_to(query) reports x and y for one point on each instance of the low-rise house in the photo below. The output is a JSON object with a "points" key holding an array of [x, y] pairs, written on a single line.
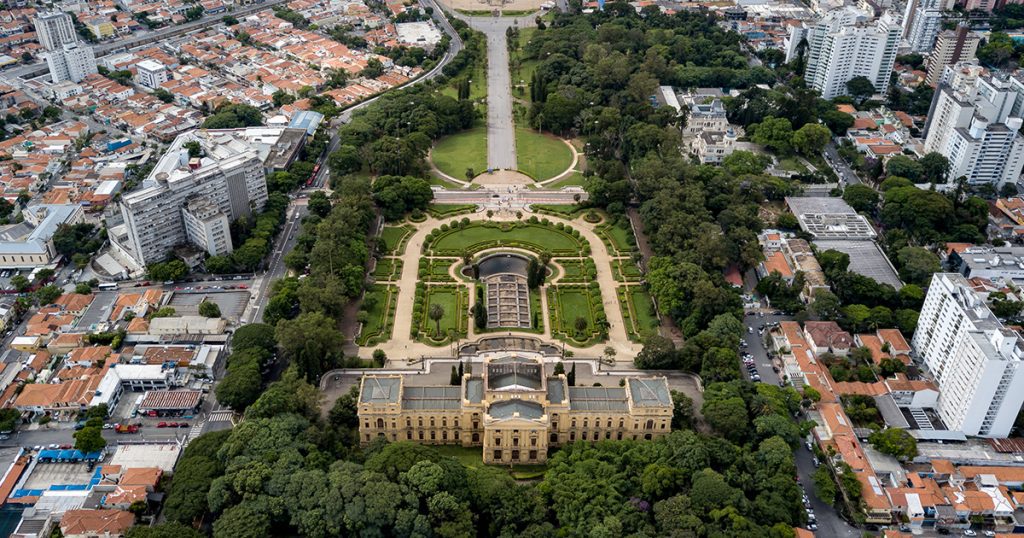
{"points": [[96, 523]]}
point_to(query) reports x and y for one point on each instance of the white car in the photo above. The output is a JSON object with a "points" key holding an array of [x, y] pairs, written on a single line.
{"points": [[969, 532]]}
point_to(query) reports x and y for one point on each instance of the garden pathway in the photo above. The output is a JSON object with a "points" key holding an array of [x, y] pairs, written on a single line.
{"points": [[402, 347]]}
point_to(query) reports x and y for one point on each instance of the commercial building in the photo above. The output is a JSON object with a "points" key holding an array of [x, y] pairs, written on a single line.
{"points": [[989, 262], [54, 30], [951, 47], [974, 359], [922, 22], [512, 409], [72, 62], [978, 131], [228, 176], [846, 43]]}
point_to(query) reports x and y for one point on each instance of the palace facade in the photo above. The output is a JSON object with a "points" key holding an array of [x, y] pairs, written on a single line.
{"points": [[512, 409]]}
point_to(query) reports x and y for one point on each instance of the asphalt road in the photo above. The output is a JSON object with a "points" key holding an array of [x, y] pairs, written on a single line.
{"points": [[843, 170], [283, 244], [755, 346]]}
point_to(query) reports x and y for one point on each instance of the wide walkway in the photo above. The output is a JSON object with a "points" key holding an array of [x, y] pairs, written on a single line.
{"points": [[501, 129]]}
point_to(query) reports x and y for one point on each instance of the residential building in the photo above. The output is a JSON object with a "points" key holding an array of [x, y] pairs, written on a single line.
{"points": [[977, 131], [151, 73], [846, 43], [707, 113], [54, 30], [922, 22], [207, 226], [96, 523], [951, 47], [229, 176], [512, 409], [73, 62], [974, 359]]}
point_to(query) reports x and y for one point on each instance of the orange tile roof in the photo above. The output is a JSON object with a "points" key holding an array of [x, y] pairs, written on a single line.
{"points": [[112, 522], [874, 344], [849, 109], [776, 263], [141, 476]]}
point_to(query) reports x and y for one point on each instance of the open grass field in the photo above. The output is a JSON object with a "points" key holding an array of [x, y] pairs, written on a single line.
{"points": [[455, 153], [395, 237], [477, 236], [379, 303], [541, 156]]}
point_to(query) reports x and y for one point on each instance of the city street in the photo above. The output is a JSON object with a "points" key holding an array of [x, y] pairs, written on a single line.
{"points": [[846, 175], [276, 269]]}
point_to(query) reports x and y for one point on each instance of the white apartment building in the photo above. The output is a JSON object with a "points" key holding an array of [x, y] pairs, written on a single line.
{"points": [[951, 47], [207, 226], [846, 43], [73, 62], [977, 363], [922, 22], [229, 177], [151, 73], [54, 30], [977, 131]]}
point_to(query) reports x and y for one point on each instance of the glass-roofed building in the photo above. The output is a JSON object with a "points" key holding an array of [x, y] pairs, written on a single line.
{"points": [[512, 409]]}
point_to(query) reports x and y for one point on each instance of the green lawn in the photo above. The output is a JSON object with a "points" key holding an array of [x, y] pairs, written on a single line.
{"points": [[793, 165], [575, 179], [439, 269], [567, 303], [619, 236], [645, 318], [377, 303], [394, 238], [576, 270], [477, 236], [626, 271], [568, 211], [541, 156], [455, 153], [448, 210], [477, 85], [453, 301]]}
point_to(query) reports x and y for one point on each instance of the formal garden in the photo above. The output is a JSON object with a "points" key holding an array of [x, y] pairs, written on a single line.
{"points": [[566, 304], [456, 154], [541, 156], [441, 313], [576, 314], [538, 235]]}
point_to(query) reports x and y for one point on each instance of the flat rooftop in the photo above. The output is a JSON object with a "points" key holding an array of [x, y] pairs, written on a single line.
{"points": [[866, 258]]}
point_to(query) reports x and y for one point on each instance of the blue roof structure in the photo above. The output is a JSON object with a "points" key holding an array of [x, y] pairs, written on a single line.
{"points": [[68, 455], [306, 119]]}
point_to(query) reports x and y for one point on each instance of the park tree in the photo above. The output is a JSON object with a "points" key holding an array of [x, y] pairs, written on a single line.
{"points": [[209, 309], [436, 313], [934, 167], [254, 335], [682, 411], [90, 439], [240, 387], [774, 133], [903, 166], [861, 198], [319, 204], [163, 530], [345, 160], [917, 264], [811, 139], [837, 122], [311, 342], [581, 325], [895, 442], [860, 88]]}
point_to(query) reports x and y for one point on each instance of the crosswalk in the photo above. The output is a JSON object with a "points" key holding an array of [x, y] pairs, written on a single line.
{"points": [[223, 415]]}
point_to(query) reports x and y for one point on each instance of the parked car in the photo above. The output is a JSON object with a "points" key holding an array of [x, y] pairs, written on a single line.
{"points": [[183, 425], [161, 425]]}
